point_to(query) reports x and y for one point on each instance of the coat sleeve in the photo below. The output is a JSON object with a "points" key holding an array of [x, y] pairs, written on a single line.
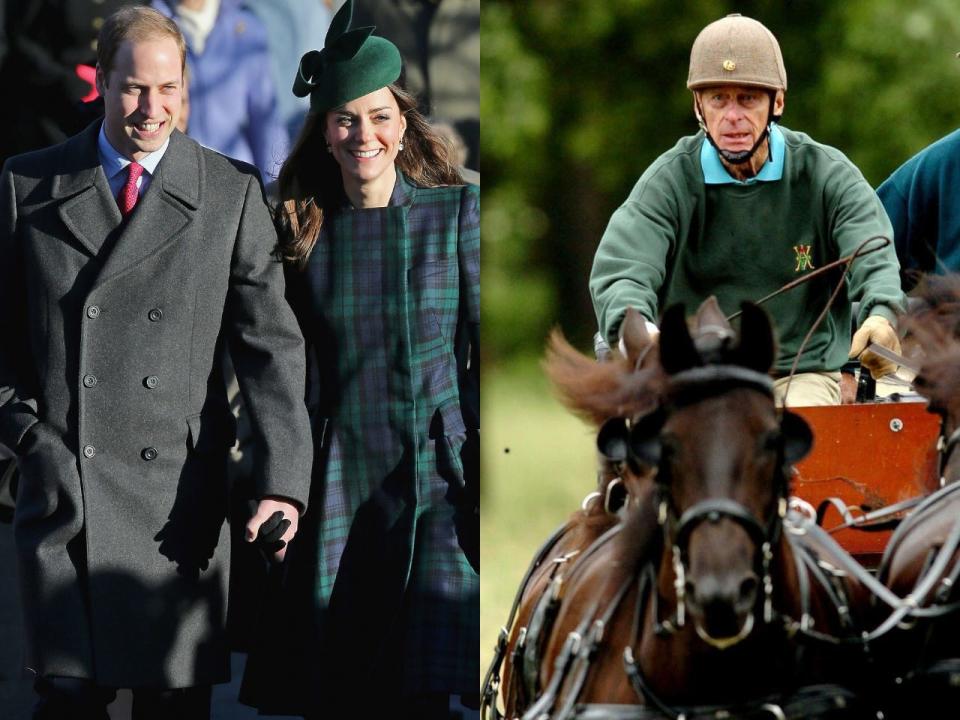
{"points": [[898, 210], [630, 264], [267, 350], [18, 404], [468, 353], [468, 339], [856, 214]]}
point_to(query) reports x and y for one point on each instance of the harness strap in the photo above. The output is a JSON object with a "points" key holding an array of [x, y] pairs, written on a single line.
{"points": [[924, 584], [911, 520], [566, 656], [804, 525], [588, 650], [884, 518], [946, 447], [821, 701], [491, 681], [834, 590], [571, 646]]}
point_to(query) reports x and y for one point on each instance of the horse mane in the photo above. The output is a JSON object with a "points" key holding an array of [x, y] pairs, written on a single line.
{"points": [[936, 317], [939, 292], [596, 391], [933, 326]]}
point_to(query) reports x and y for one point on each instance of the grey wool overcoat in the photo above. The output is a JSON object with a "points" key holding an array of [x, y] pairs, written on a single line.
{"points": [[112, 340]]}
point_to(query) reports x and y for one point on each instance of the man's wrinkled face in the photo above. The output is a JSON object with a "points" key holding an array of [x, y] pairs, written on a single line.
{"points": [[142, 95], [736, 115]]}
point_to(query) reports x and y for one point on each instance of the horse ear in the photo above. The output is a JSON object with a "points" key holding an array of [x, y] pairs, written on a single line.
{"points": [[797, 437], [757, 348], [710, 316], [645, 443], [677, 351], [612, 439], [636, 339]]}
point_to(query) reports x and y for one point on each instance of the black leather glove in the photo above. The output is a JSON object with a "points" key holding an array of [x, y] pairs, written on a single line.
{"points": [[270, 533]]}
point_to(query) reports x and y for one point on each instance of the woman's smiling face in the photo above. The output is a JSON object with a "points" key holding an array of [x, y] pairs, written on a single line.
{"points": [[364, 137]]}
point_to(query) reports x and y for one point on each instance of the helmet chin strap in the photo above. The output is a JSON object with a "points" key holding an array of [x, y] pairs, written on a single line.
{"points": [[738, 158]]}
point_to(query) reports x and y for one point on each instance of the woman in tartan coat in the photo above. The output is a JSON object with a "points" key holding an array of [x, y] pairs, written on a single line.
{"points": [[376, 610]]}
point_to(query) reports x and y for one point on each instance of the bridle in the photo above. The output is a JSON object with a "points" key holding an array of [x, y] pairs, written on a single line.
{"points": [[687, 388], [946, 444]]}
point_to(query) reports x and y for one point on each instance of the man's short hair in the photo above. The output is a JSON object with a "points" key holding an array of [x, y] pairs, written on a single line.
{"points": [[135, 24]]}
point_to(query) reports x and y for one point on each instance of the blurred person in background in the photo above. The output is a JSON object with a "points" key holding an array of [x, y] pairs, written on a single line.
{"points": [[439, 41], [376, 612], [292, 29], [48, 66], [920, 198], [233, 100], [459, 149]]}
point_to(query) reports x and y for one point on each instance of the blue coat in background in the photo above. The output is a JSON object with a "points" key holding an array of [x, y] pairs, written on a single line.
{"points": [[919, 197], [233, 100]]}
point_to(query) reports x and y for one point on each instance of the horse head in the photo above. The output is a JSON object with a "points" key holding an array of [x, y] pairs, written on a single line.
{"points": [[934, 328], [722, 452]]}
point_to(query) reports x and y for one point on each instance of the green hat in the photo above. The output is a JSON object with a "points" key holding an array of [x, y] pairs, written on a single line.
{"points": [[352, 64]]}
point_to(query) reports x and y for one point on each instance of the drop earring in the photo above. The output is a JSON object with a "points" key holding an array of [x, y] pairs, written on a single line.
{"points": [[400, 146]]}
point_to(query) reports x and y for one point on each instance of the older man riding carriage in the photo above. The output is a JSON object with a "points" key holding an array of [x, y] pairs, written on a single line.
{"points": [[740, 559]]}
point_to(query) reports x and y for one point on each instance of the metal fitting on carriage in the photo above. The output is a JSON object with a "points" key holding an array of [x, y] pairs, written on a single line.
{"points": [[774, 710]]}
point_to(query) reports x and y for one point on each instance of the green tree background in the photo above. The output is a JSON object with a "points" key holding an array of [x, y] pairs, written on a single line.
{"points": [[579, 96]]}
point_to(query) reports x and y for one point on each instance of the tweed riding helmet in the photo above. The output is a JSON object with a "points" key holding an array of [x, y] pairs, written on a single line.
{"points": [[737, 50]]}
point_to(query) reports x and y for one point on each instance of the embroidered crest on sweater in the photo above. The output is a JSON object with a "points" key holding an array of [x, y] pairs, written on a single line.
{"points": [[803, 258]]}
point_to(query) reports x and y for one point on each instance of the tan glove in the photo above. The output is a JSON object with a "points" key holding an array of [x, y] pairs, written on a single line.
{"points": [[875, 329]]}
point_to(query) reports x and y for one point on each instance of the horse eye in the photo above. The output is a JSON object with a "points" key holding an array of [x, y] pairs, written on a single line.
{"points": [[770, 441], [669, 444]]}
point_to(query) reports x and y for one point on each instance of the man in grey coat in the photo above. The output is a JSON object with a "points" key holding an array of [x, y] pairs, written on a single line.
{"points": [[132, 259]]}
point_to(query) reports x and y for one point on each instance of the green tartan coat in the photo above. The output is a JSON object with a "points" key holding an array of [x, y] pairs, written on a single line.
{"points": [[381, 586]]}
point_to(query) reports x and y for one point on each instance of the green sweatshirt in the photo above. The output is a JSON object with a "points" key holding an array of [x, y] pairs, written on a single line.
{"points": [[677, 239]]}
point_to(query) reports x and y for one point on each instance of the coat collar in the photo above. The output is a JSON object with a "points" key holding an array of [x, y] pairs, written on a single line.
{"points": [[404, 192], [81, 167], [164, 210], [90, 211], [403, 195]]}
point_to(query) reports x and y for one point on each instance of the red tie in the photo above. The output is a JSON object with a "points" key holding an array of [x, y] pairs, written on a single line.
{"points": [[129, 194]]}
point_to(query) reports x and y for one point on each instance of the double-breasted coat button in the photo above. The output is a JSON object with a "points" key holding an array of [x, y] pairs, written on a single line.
{"points": [[149, 453], [155, 315], [89, 451], [89, 380], [93, 312], [151, 381]]}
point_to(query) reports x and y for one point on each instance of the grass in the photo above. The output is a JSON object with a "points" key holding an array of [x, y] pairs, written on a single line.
{"points": [[538, 463]]}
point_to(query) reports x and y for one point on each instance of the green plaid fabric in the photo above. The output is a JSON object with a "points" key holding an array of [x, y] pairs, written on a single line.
{"points": [[388, 292]]}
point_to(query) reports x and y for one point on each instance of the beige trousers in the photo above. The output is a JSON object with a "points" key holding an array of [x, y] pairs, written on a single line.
{"points": [[811, 388]]}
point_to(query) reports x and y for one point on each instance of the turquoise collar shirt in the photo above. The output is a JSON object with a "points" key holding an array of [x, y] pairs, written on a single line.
{"points": [[714, 173]]}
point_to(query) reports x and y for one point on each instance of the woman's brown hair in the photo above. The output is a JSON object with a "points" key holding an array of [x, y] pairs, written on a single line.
{"points": [[310, 181]]}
